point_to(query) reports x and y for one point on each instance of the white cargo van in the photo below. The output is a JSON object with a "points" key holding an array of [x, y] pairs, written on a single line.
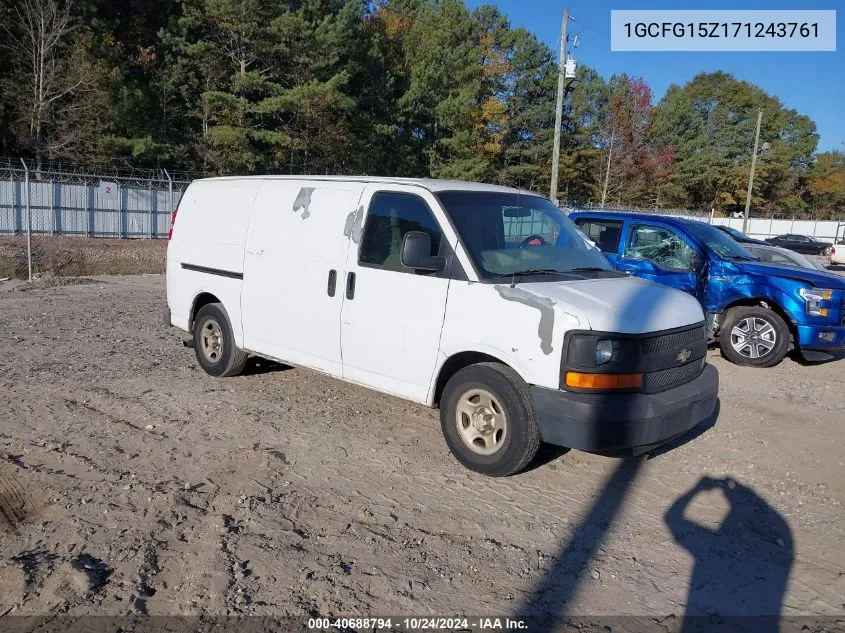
{"points": [[484, 301]]}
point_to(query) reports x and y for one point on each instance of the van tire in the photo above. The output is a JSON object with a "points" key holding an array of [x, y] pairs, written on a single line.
{"points": [[742, 317], [511, 407], [214, 343]]}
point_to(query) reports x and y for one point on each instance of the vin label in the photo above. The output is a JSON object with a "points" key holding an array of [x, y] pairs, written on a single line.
{"points": [[723, 30]]}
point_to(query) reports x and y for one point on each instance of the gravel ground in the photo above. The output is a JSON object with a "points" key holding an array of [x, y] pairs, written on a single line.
{"points": [[132, 483]]}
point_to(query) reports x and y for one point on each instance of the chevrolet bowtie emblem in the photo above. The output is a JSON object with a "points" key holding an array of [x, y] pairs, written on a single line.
{"points": [[683, 356]]}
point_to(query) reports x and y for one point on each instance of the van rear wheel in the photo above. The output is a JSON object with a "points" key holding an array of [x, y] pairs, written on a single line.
{"points": [[488, 420], [214, 343]]}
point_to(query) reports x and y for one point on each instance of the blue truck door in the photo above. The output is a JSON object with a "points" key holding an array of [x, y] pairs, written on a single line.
{"points": [[661, 254]]}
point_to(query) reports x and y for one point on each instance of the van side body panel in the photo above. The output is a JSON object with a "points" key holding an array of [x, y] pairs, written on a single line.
{"points": [[205, 253], [296, 238]]}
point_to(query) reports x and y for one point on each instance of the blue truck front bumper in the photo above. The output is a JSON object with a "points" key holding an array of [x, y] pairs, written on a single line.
{"points": [[820, 342]]}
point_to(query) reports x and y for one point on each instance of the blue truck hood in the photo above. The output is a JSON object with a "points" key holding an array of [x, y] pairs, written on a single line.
{"points": [[815, 278]]}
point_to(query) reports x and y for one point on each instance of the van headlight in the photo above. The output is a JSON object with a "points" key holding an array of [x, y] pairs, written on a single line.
{"points": [[813, 297], [595, 361], [604, 351]]}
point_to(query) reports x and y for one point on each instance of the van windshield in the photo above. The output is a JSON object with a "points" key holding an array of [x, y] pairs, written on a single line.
{"points": [[715, 240], [514, 234]]}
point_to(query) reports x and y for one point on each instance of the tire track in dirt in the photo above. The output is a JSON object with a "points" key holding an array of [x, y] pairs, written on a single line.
{"points": [[16, 506]]}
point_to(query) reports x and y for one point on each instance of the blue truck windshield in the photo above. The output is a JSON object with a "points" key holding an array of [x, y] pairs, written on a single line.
{"points": [[716, 241], [514, 234]]}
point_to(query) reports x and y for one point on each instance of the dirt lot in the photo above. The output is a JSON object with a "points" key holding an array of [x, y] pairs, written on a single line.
{"points": [[73, 256], [132, 483]]}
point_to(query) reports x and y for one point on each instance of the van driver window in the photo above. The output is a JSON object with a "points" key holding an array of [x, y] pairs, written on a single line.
{"points": [[660, 245], [390, 217]]}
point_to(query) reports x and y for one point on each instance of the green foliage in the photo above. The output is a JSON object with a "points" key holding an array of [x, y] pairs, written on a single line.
{"points": [[710, 123], [393, 87], [826, 185]]}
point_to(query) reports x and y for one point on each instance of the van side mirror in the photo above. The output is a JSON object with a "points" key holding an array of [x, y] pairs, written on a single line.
{"points": [[416, 252]]}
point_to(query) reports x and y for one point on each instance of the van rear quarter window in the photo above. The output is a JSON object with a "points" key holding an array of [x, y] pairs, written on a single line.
{"points": [[390, 217]]}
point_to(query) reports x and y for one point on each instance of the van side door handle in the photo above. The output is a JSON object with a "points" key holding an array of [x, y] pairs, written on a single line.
{"points": [[332, 282], [350, 286]]}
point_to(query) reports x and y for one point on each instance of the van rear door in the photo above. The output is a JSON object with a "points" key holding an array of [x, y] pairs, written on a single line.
{"points": [[392, 315], [295, 253]]}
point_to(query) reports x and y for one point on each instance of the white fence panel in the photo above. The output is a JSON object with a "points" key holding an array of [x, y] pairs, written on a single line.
{"points": [[79, 208]]}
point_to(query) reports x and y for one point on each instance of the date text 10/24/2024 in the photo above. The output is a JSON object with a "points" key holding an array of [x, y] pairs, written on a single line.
{"points": [[418, 624]]}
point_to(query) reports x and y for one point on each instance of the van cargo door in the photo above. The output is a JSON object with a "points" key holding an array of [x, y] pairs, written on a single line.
{"points": [[296, 246]]}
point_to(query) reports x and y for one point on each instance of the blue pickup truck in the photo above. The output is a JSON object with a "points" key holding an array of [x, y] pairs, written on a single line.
{"points": [[756, 312]]}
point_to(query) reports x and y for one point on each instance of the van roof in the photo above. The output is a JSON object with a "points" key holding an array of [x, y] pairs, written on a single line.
{"points": [[432, 184]]}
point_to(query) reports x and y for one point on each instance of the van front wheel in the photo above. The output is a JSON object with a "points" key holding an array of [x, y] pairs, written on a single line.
{"points": [[488, 420], [214, 343]]}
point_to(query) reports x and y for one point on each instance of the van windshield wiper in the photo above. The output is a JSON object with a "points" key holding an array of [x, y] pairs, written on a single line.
{"points": [[749, 258], [539, 271], [534, 271], [587, 269]]}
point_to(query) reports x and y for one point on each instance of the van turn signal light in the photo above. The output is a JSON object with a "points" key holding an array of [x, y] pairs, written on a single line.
{"points": [[578, 380]]}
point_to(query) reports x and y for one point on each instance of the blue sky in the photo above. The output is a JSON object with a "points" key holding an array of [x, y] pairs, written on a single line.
{"points": [[813, 83]]}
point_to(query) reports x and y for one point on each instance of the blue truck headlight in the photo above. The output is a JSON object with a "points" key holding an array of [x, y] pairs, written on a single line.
{"points": [[814, 297]]}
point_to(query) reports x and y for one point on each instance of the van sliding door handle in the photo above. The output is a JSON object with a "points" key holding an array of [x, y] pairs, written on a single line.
{"points": [[332, 282], [350, 286]]}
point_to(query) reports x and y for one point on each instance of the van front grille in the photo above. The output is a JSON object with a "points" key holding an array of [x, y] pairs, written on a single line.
{"points": [[657, 381], [674, 341]]}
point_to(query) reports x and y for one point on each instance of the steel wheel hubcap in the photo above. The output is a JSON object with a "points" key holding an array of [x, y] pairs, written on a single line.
{"points": [[753, 337], [481, 422], [212, 340]]}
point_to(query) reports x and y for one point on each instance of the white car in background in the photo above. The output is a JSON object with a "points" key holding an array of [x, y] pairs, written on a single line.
{"points": [[837, 253]]}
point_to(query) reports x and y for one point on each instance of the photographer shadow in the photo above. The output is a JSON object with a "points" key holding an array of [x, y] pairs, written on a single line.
{"points": [[742, 565]]}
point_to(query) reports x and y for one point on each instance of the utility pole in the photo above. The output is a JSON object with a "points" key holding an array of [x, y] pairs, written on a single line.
{"points": [[607, 173], [751, 175], [561, 76]]}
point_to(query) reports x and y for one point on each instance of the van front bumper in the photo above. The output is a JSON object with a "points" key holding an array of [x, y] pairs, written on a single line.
{"points": [[607, 421]]}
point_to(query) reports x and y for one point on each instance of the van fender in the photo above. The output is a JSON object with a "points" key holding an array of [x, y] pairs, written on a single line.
{"points": [[227, 293], [478, 353]]}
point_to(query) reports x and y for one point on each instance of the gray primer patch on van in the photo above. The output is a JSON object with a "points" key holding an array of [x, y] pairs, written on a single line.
{"points": [[545, 305], [352, 228], [303, 201]]}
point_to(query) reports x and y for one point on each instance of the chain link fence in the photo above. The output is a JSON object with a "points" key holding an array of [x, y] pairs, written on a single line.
{"points": [[63, 200], [54, 200]]}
